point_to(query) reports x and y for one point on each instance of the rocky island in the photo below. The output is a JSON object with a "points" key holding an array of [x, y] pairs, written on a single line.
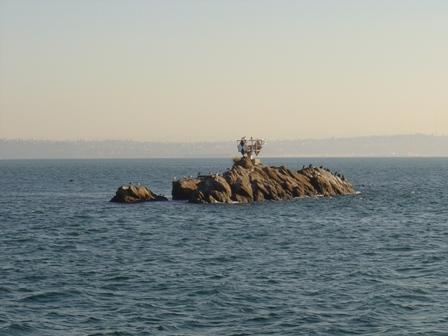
{"points": [[136, 193], [251, 181], [247, 181]]}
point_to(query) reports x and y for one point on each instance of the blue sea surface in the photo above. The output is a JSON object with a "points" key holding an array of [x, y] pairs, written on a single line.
{"points": [[72, 263]]}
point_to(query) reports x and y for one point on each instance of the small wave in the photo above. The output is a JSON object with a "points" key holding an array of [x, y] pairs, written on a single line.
{"points": [[15, 328], [111, 333], [50, 296], [4, 290], [118, 278]]}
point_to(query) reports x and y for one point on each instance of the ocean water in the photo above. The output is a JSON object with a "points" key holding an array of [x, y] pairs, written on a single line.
{"points": [[72, 263]]}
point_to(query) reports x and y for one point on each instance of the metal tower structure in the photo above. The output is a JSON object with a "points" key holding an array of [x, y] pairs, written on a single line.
{"points": [[250, 147]]}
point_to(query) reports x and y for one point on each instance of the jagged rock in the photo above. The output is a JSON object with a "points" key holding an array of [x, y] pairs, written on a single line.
{"points": [[250, 181], [212, 189], [133, 194], [184, 189]]}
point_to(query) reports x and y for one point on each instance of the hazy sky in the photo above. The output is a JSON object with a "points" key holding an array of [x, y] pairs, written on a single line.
{"points": [[215, 70]]}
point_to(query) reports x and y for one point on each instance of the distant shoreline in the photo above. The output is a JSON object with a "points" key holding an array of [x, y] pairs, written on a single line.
{"points": [[406, 146], [225, 158]]}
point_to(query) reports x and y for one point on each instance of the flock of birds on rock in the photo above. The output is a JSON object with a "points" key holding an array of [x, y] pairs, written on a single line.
{"points": [[341, 176]]}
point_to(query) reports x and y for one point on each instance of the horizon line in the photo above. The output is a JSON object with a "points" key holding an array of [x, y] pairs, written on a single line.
{"points": [[413, 156]]}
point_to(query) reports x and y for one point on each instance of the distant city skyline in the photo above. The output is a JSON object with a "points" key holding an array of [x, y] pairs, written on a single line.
{"points": [[189, 71]]}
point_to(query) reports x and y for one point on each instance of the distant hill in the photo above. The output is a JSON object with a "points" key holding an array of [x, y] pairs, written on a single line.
{"points": [[387, 146]]}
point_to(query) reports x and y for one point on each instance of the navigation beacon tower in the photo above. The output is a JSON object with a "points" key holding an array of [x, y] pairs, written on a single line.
{"points": [[250, 147]]}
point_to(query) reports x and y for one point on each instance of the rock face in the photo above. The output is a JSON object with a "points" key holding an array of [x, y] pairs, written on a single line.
{"points": [[133, 194], [249, 182], [185, 188]]}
